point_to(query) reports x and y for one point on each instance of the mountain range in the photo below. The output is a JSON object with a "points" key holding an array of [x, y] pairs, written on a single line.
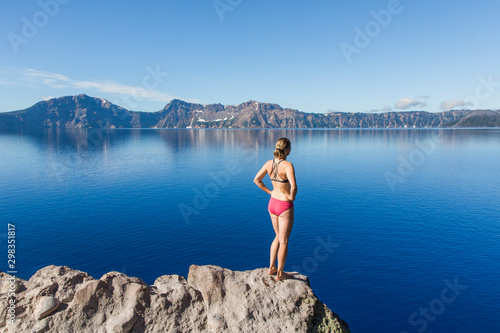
{"points": [[82, 111]]}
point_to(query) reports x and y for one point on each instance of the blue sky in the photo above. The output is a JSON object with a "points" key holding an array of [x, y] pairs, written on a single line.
{"points": [[314, 56]]}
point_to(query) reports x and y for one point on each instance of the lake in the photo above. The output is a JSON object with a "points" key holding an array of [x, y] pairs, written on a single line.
{"points": [[398, 230]]}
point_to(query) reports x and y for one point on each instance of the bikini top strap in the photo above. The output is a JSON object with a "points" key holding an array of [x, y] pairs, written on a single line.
{"points": [[275, 169]]}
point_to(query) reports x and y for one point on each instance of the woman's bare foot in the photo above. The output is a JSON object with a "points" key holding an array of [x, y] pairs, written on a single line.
{"points": [[283, 276], [272, 270]]}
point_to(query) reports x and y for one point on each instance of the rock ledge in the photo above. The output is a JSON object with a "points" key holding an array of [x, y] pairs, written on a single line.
{"points": [[212, 299]]}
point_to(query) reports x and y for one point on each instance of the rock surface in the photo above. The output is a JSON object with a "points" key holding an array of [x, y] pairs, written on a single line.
{"points": [[82, 111], [212, 299]]}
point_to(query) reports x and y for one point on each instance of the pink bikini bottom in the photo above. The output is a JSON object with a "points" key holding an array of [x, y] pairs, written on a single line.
{"points": [[277, 207]]}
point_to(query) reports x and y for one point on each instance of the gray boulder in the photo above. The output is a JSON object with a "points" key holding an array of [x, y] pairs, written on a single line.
{"points": [[212, 299]]}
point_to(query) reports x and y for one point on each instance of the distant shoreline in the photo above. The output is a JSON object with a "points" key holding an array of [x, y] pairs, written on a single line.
{"points": [[83, 111], [249, 128]]}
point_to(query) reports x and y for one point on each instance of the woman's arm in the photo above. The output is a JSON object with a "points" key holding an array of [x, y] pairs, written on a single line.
{"points": [[258, 179], [290, 175]]}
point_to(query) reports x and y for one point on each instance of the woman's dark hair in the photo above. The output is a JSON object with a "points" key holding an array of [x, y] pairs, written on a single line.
{"points": [[282, 145]]}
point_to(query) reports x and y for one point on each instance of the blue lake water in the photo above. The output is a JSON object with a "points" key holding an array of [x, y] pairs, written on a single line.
{"points": [[397, 230]]}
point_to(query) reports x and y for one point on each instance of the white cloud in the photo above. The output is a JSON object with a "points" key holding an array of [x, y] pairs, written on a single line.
{"points": [[382, 110], [10, 83], [40, 79], [121, 89], [47, 76], [454, 103], [46, 98], [407, 102]]}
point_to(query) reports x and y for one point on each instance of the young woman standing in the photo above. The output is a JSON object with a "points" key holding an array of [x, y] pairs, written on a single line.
{"points": [[280, 206]]}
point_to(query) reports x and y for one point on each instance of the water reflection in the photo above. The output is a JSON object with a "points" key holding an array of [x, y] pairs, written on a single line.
{"points": [[118, 191], [82, 141]]}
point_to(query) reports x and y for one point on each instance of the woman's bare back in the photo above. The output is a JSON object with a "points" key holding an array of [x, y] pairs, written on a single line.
{"points": [[281, 185]]}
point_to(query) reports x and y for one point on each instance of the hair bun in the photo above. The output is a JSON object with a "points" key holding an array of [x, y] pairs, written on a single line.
{"points": [[281, 147]]}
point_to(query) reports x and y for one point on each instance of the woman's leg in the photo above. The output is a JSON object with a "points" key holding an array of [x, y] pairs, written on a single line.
{"points": [[275, 245], [285, 223]]}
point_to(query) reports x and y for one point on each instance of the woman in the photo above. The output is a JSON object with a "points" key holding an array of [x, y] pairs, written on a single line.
{"points": [[280, 207]]}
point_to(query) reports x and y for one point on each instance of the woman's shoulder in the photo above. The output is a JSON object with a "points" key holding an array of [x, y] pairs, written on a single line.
{"points": [[283, 162]]}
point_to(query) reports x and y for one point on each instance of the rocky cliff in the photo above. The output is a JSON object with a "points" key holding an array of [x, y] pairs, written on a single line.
{"points": [[83, 111], [212, 299], [478, 118]]}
